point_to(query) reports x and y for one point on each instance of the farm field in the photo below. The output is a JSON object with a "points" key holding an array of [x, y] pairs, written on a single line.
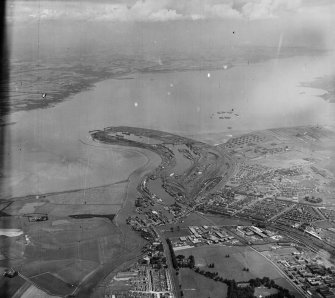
{"points": [[68, 248], [49, 282], [111, 194], [70, 271], [33, 292], [105, 199]]}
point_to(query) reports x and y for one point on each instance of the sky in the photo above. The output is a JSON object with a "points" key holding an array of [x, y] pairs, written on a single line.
{"points": [[168, 10], [187, 24]]}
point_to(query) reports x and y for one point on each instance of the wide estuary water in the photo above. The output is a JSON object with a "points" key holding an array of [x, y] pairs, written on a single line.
{"points": [[50, 149]]}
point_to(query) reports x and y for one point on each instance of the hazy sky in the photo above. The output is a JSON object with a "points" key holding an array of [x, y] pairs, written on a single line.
{"points": [[174, 23], [169, 10]]}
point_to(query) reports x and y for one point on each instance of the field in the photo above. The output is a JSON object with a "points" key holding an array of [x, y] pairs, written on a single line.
{"points": [[60, 268], [195, 285], [79, 241], [112, 194], [66, 210], [264, 291], [105, 199], [232, 267], [67, 248], [51, 283], [33, 292]]}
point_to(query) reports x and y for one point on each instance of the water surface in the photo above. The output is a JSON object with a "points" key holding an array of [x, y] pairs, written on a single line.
{"points": [[50, 149]]}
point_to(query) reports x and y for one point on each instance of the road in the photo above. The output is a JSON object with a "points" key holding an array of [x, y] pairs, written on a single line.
{"points": [[275, 265], [282, 273], [174, 277]]}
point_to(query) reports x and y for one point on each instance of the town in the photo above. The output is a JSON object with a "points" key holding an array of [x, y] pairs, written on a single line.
{"points": [[282, 209]]}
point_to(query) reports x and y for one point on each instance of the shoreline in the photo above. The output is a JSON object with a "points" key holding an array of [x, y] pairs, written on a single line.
{"points": [[65, 95], [128, 235], [130, 242], [68, 191], [51, 161], [143, 152]]}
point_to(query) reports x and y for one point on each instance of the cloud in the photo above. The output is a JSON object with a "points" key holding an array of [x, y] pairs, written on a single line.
{"points": [[261, 9], [150, 10]]}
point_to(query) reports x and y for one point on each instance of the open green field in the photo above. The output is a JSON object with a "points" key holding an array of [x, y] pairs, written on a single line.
{"points": [[80, 243], [11, 248], [51, 283], [195, 285], [66, 210], [111, 194], [98, 200], [74, 232], [264, 291], [232, 267], [71, 271], [69, 250], [33, 292]]}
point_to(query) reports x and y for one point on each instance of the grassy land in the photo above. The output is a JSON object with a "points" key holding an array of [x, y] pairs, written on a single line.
{"points": [[71, 271], [232, 267], [75, 232], [66, 210], [73, 249], [112, 194], [33, 292], [264, 291], [51, 283], [195, 285]]}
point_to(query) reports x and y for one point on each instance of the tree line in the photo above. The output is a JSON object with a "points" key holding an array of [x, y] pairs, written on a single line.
{"points": [[234, 291]]}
